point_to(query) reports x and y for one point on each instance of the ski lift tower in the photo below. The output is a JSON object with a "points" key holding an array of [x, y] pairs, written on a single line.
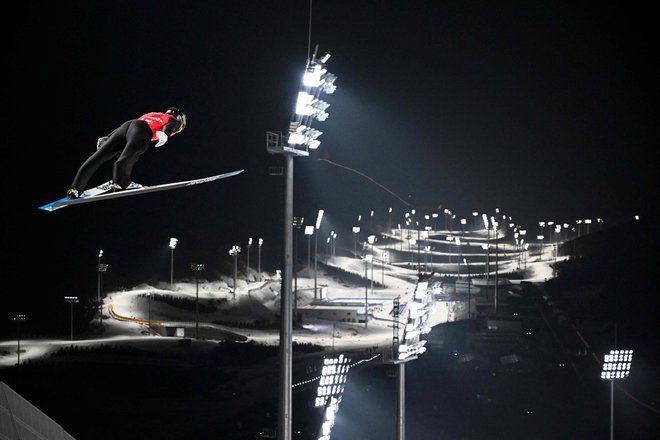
{"points": [[297, 141]]}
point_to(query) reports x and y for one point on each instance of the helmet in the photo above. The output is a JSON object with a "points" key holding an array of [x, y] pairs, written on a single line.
{"points": [[179, 115]]}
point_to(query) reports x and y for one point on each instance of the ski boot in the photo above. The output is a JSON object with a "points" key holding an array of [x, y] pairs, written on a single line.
{"points": [[72, 194]]}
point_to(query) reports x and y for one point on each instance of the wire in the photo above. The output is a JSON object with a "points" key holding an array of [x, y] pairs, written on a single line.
{"points": [[369, 178]]}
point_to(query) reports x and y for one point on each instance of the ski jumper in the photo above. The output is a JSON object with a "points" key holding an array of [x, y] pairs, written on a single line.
{"points": [[129, 141]]}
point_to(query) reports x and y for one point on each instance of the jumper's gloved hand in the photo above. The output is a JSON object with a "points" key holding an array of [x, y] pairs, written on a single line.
{"points": [[162, 138], [100, 142]]}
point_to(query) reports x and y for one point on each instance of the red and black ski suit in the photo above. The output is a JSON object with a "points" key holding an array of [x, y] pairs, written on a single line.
{"points": [[128, 141]]}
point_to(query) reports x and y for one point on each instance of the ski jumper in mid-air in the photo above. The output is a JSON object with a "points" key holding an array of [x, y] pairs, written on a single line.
{"points": [[129, 141]]}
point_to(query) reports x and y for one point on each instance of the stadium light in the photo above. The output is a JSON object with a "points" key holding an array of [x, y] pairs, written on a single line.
{"points": [[172, 246], [18, 319], [319, 217], [71, 300], [100, 269], [261, 241], [234, 251], [197, 268], [300, 138], [247, 271], [616, 366], [329, 391]]}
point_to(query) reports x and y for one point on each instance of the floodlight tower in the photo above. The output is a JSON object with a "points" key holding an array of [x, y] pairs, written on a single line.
{"points": [[616, 366], [372, 239], [367, 259], [389, 220], [18, 319], [101, 268], [172, 245], [247, 271], [259, 243], [356, 238], [317, 226], [71, 300], [197, 268], [309, 231], [234, 251], [300, 138]]}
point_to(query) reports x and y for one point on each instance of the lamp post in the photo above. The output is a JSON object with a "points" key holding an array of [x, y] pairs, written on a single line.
{"points": [[234, 251], [389, 220], [333, 235], [197, 268], [259, 243], [71, 300], [172, 245], [18, 319], [309, 231], [300, 139], [467, 265], [371, 240], [588, 223], [101, 268], [497, 262], [457, 240], [367, 258], [247, 271], [356, 238], [616, 366], [319, 217]]}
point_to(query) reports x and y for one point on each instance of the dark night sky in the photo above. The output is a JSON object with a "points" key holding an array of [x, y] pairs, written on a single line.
{"points": [[541, 109]]}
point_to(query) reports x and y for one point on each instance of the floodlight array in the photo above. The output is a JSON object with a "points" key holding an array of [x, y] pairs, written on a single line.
{"points": [[616, 365], [329, 417], [316, 80], [332, 380], [418, 309], [330, 390]]}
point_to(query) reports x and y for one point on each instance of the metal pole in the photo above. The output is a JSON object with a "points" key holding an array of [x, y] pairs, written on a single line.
{"points": [[197, 307], [467, 263], [259, 262], [172, 267], [98, 280], [247, 271], [71, 320], [316, 233], [401, 403], [366, 294], [284, 413], [18, 341], [611, 410], [487, 256], [497, 253], [309, 253], [372, 275], [235, 272], [296, 267]]}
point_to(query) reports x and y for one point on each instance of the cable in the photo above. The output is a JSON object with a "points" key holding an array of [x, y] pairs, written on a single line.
{"points": [[369, 178]]}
